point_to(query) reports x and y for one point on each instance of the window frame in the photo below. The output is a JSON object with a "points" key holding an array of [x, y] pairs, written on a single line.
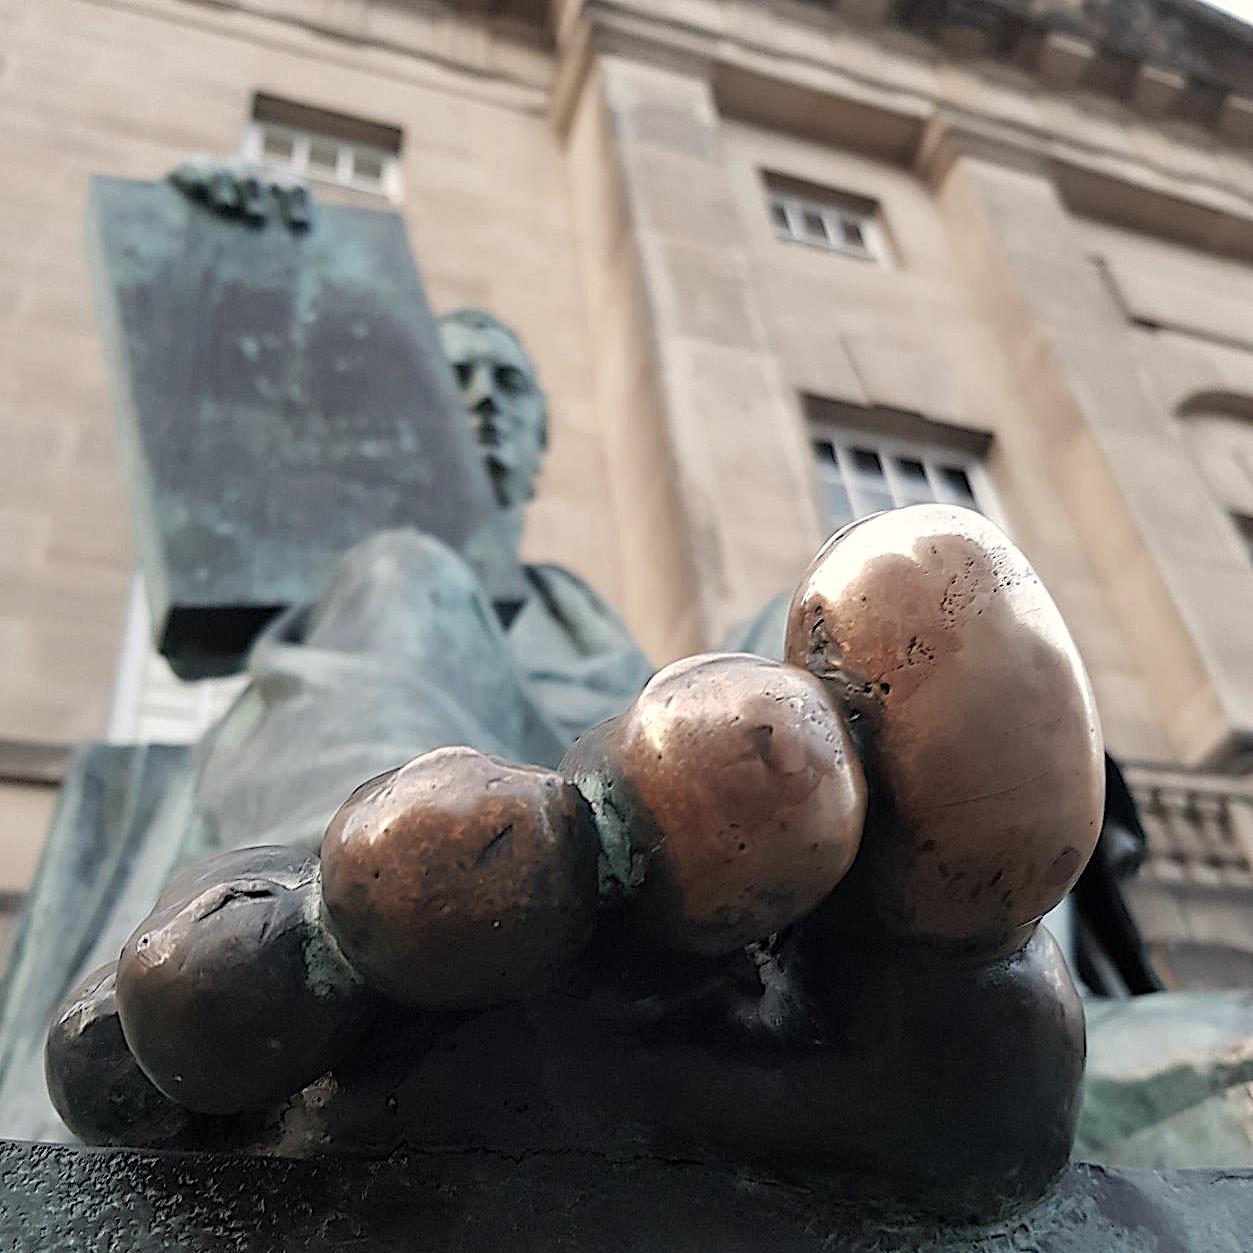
{"points": [[934, 455], [835, 213], [388, 186], [149, 703]]}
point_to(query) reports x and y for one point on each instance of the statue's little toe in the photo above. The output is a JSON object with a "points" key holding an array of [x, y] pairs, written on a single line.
{"points": [[94, 1082]]}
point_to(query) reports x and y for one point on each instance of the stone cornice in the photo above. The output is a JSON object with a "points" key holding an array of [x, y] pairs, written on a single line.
{"points": [[887, 93], [32, 762], [1175, 60], [878, 89], [489, 55]]}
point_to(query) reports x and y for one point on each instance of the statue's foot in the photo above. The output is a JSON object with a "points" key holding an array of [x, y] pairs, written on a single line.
{"points": [[773, 914]]}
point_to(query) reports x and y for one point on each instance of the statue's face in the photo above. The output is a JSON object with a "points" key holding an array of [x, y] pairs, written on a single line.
{"points": [[504, 404]]}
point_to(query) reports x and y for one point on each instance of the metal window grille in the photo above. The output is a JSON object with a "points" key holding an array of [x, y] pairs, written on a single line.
{"points": [[860, 474], [322, 159], [829, 225]]}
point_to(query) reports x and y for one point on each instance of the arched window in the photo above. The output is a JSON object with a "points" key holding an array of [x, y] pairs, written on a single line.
{"points": [[1219, 426]]}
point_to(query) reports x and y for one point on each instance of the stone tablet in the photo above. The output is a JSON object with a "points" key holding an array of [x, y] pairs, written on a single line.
{"points": [[281, 396]]}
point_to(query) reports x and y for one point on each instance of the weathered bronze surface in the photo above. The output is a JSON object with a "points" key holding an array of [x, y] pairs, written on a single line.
{"points": [[281, 397], [460, 880], [728, 798], [94, 1081], [231, 993], [977, 723], [104, 807], [406, 649], [938, 1085]]}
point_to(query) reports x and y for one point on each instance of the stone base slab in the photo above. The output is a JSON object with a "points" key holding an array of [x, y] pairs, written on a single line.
{"points": [[58, 1197]]}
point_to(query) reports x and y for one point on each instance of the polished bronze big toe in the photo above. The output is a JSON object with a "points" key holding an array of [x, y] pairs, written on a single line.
{"points": [[975, 716]]}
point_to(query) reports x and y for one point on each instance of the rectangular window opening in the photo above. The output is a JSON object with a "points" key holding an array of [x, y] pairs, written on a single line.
{"points": [[867, 460], [824, 218], [323, 146]]}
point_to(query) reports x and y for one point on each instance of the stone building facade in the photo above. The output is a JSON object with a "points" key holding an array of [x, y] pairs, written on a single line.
{"points": [[778, 262]]}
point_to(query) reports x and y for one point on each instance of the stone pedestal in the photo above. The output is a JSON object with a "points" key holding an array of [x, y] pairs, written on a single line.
{"points": [[56, 1198]]}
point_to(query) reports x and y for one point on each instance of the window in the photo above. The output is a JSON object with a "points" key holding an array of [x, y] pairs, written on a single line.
{"points": [[861, 473], [151, 704], [324, 147], [804, 214]]}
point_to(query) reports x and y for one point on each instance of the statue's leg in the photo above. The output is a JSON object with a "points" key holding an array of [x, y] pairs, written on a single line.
{"points": [[402, 654]]}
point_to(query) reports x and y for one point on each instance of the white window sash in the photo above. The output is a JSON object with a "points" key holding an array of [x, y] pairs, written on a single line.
{"points": [[934, 458], [388, 184]]}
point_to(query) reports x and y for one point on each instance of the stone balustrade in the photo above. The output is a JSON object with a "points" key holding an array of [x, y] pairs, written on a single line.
{"points": [[1191, 895]]}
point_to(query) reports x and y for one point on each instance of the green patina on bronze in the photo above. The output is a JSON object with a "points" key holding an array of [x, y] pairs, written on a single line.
{"points": [[281, 396]]}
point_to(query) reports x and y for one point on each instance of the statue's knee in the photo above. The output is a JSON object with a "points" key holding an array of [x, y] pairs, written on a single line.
{"points": [[393, 569], [405, 558]]}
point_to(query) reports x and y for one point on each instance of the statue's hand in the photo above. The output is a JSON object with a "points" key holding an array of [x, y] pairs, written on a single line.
{"points": [[234, 189]]}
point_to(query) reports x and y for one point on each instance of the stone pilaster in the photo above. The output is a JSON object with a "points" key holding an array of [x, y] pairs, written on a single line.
{"points": [[1174, 568], [712, 482]]}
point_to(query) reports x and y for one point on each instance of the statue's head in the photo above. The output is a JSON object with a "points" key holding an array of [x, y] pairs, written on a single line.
{"points": [[502, 399]]}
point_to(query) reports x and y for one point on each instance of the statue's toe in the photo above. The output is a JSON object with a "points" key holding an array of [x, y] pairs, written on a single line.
{"points": [[461, 880], [728, 800], [93, 1080], [974, 715], [232, 994]]}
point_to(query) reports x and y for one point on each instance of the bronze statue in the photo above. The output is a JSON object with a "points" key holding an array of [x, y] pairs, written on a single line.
{"points": [[773, 914], [504, 404], [407, 650], [769, 913]]}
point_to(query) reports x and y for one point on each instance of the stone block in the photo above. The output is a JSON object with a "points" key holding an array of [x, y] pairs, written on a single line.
{"points": [[1063, 59], [25, 814], [1223, 447], [865, 12], [1155, 90], [677, 197], [898, 375], [1198, 308], [1235, 119], [705, 292], [1131, 717]]}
